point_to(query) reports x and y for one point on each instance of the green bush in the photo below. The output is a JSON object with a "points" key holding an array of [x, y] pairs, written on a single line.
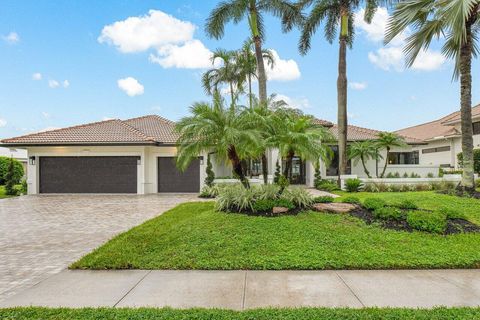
{"points": [[352, 200], [452, 213], [284, 203], [374, 203], [408, 204], [235, 198], [277, 174], [323, 199], [476, 160], [264, 205], [298, 196], [283, 183], [388, 213], [268, 191], [326, 185], [209, 172], [414, 175], [433, 222], [353, 185], [17, 170]]}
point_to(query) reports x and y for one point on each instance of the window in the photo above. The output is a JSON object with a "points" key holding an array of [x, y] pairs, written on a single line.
{"points": [[433, 150], [476, 128], [403, 157], [254, 167]]}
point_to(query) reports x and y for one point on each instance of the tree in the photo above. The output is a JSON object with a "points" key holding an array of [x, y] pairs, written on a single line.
{"points": [[10, 179], [456, 23], [209, 172], [336, 14], [18, 169], [254, 10], [215, 128], [363, 151], [388, 140]]}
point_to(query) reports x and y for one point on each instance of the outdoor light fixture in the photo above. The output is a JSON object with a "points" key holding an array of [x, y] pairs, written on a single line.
{"points": [[201, 160], [32, 161]]}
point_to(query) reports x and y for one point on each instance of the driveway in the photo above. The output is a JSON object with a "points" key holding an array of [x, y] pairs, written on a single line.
{"points": [[42, 235]]}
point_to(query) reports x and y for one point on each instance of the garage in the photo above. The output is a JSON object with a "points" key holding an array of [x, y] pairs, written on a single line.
{"points": [[170, 179], [88, 174]]}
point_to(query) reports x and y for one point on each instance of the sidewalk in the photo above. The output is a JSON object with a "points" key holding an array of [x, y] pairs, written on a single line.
{"points": [[254, 289]]}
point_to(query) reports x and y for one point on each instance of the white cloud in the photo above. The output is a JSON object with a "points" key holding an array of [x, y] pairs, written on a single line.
{"points": [[53, 84], [46, 115], [391, 57], [11, 38], [358, 85], [154, 30], [66, 83], [283, 70], [190, 55], [3, 122], [37, 76], [297, 103], [131, 86]]}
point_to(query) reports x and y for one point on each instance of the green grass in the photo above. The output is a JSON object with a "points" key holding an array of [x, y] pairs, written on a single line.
{"points": [[194, 236], [258, 314]]}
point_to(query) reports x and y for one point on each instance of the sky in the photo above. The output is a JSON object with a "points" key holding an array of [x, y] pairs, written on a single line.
{"points": [[71, 62]]}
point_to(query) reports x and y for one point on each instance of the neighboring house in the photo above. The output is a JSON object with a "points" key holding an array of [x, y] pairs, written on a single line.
{"points": [[17, 154]]}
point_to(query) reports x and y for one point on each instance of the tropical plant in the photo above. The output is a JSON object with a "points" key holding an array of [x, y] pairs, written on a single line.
{"points": [[10, 179], [215, 128], [476, 160], [336, 14], [456, 22], [353, 185], [209, 172], [17, 168], [388, 140], [277, 174], [299, 196], [363, 151], [317, 176], [254, 10]]}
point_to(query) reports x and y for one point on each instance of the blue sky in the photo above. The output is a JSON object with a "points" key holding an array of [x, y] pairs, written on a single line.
{"points": [[66, 62]]}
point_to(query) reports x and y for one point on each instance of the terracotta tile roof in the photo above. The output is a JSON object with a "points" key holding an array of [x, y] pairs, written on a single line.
{"points": [[455, 116], [144, 130], [355, 133], [322, 122]]}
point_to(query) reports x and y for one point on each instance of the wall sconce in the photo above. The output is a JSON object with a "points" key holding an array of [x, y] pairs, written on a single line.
{"points": [[201, 160], [32, 161], [139, 161]]}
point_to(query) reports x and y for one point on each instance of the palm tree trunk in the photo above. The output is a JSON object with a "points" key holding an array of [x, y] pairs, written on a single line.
{"points": [[467, 183], [386, 163], [262, 77], [237, 166], [342, 95], [265, 168], [250, 90], [365, 167]]}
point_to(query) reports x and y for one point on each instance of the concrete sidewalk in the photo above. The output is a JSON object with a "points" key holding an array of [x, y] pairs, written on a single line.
{"points": [[254, 289]]}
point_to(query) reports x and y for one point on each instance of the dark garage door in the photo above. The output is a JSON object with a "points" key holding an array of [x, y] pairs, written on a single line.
{"points": [[88, 174], [170, 179]]}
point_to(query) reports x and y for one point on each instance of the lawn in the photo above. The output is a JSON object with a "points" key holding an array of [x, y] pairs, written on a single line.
{"points": [[259, 314], [194, 236]]}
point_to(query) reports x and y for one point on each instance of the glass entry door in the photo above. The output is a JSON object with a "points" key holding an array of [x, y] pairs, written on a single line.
{"points": [[297, 171]]}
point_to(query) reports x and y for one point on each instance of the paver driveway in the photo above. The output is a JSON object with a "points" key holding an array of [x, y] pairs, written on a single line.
{"points": [[41, 235]]}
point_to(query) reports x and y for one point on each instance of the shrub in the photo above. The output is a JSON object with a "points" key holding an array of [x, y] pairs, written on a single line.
{"points": [[374, 203], [213, 191], [300, 197], [283, 183], [352, 200], [405, 175], [236, 198], [414, 175], [476, 160], [353, 185], [408, 204], [277, 174], [323, 199], [370, 187], [326, 185], [9, 179], [267, 191], [284, 203], [430, 175], [17, 170], [388, 213], [264, 205], [423, 187], [210, 174], [434, 222], [24, 186], [452, 213]]}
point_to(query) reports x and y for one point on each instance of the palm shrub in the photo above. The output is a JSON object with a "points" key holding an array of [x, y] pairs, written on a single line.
{"points": [[387, 140], [363, 151], [353, 185], [210, 174]]}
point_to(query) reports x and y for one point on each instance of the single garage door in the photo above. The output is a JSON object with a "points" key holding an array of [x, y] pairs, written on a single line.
{"points": [[170, 179], [88, 174]]}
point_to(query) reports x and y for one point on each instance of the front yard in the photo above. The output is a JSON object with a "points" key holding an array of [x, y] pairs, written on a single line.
{"points": [[195, 236]]}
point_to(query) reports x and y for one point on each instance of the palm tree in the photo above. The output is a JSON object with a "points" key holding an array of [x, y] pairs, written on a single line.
{"points": [[228, 73], [248, 64], [214, 128], [254, 10], [336, 14], [457, 22], [363, 151], [387, 140]]}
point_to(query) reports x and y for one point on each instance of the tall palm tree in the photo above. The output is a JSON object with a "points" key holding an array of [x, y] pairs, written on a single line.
{"points": [[363, 151], [227, 73], [248, 64], [388, 140], [457, 23], [253, 10], [215, 128], [336, 14]]}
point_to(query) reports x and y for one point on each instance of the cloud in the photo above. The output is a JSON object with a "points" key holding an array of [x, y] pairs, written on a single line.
{"points": [[46, 115], [11, 38], [358, 85], [391, 57], [283, 70], [66, 83], [297, 103], [131, 86], [37, 76], [3, 122], [190, 55], [53, 84]]}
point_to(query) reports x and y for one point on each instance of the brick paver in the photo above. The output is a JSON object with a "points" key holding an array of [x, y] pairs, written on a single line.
{"points": [[41, 235]]}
